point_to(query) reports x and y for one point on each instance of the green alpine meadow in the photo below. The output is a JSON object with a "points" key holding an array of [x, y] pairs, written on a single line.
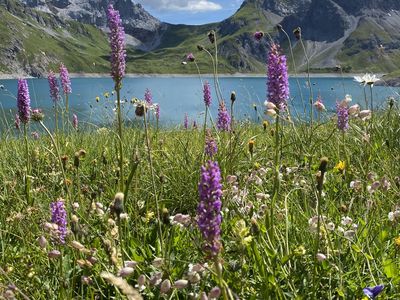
{"points": [[296, 198]]}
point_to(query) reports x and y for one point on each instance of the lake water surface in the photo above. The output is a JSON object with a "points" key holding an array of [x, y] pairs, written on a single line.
{"points": [[179, 95]]}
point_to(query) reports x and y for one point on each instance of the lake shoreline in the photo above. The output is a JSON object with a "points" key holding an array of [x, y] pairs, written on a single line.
{"points": [[4, 76]]}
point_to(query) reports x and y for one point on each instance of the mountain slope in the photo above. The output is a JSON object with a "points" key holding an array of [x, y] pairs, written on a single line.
{"points": [[359, 35]]}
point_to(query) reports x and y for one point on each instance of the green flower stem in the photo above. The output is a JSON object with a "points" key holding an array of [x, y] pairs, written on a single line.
{"points": [[58, 157], [66, 103], [295, 70], [309, 85], [56, 117], [28, 171], [218, 269], [160, 235], [276, 179], [121, 152]]}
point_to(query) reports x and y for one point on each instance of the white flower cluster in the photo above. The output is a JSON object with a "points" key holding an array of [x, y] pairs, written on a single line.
{"points": [[394, 215], [180, 220], [349, 228]]}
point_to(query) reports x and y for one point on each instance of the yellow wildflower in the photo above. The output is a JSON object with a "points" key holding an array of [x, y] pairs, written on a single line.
{"points": [[397, 241], [149, 216], [341, 166], [251, 147], [242, 232]]}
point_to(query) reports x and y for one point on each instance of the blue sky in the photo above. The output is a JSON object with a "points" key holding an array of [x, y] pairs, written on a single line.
{"points": [[191, 11]]}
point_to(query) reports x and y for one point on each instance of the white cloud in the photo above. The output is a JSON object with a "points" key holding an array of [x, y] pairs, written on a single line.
{"points": [[182, 5]]}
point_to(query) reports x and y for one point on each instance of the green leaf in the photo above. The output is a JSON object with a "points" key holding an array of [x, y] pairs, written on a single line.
{"points": [[356, 248], [340, 292], [285, 259], [390, 269], [384, 235]]}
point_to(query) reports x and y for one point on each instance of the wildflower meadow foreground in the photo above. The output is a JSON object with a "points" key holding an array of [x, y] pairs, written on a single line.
{"points": [[289, 208]]}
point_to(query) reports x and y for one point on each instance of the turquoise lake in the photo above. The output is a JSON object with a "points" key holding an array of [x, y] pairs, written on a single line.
{"points": [[179, 95]]}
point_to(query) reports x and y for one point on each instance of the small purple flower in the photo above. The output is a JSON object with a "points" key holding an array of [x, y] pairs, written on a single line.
{"points": [[23, 101], [148, 97], [209, 209], [35, 135], [373, 292], [258, 35], [207, 94], [186, 122], [75, 121], [190, 57], [278, 80], [59, 217], [224, 119], [17, 122], [65, 80], [343, 117], [53, 84], [117, 43], [194, 124], [211, 147]]}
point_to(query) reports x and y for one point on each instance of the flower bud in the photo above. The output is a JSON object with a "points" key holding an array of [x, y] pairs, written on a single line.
{"points": [[165, 286], [140, 110], [233, 96], [125, 272], [158, 262], [76, 245], [130, 264], [141, 280], [54, 254], [354, 109], [270, 105], [118, 204], [42, 242], [190, 57], [214, 293], [297, 33], [258, 35], [320, 257], [271, 112], [181, 284], [37, 115], [365, 114], [211, 36]]}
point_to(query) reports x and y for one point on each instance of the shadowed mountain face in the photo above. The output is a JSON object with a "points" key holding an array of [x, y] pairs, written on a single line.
{"points": [[360, 35]]}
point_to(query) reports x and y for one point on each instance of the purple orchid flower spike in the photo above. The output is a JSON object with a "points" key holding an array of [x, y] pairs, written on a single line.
{"points": [[373, 292]]}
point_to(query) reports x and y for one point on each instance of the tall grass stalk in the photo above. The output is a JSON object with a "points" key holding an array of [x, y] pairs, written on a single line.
{"points": [[311, 97], [28, 168], [153, 179], [294, 68], [120, 139]]}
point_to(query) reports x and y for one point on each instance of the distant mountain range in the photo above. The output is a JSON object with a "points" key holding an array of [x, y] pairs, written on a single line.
{"points": [[358, 35]]}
